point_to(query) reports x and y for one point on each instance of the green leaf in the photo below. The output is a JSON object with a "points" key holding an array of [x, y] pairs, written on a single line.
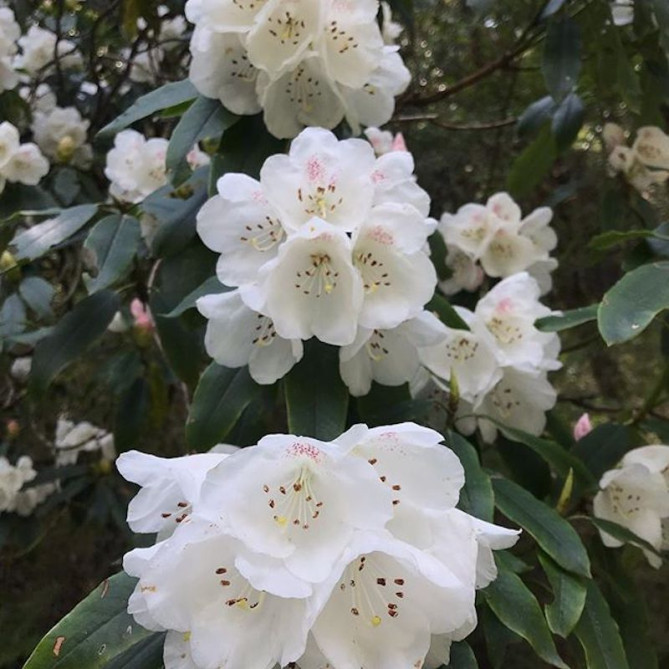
{"points": [[476, 496], [598, 633], [73, 334], [316, 397], [166, 96], [536, 115], [37, 294], [552, 532], [621, 533], [612, 238], [629, 307], [95, 632], [568, 319], [568, 120], [112, 243], [462, 656], [562, 57], [498, 637], [515, 606], [12, 317], [569, 591], [147, 654], [38, 239], [132, 411], [446, 313], [219, 400], [211, 286], [533, 164], [384, 405], [603, 447], [205, 118]]}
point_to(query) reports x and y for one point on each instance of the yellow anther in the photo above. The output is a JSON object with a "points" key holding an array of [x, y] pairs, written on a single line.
{"points": [[376, 621]]}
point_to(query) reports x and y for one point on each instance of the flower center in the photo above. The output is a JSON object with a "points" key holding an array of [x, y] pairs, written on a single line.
{"points": [[372, 270], [375, 346], [294, 503], [263, 236], [322, 202], [503, 400], [241, 594], [319, 277], [461, 350], [243, 69], [287, 28], [504, 331], [264, 333], [343, 40]]}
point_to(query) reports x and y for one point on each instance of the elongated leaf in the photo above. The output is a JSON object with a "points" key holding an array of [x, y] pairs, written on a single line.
{"points": [[219, 400], [147, 654], [210, 286], [562, 57], [113, 243], [166, 96], [621, 533], [37, 294], [476, 496], [630, 306], [462, 656], [536, 115], [205, 118], [569, 319], [533, 164], [598, 633], [498, 637], [316, 397], [515, 606], [552, 532], [446, 313], [612, 238], [95, 632], [569, 591], [568, 120], [383, 405], [603, 448], [75, 332], [37, 240]]}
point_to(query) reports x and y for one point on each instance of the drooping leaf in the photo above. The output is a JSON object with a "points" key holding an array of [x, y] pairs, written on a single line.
{"points": [[515, 606], [37, 294], [568, 319], [112, 243], [598, 633], [476, 496], [612, 238], [205, 118], [536, 115], [621, 533], [220, 398], [73, 334], [552, 532], [95, 632], [166, 96], [38, 239], [568, 120], [629, 307], [446, 313], [569, 592], [316, 397], [562, 57]]}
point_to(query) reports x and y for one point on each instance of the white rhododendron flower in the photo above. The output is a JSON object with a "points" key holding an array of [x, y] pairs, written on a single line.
{"points": [[14, 497], [498, 239], [75, 438], [331, 242], [636, 496], [10, 32], [39, 48], [22, 163], [347, 553], [302, 63], [61, 134], [622, 12]]}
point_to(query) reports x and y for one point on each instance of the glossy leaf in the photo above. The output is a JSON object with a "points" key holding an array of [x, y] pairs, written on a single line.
{"points": [[569, 593], [211, 286], [462, 656], [220, 398], [316, 397], [73, 334], [598, 633], [536, 115], [603, 447], [112, 243], [562, 57], [552, 532], [37, 294], [443, 309], [568, 319], [95, 632], [630, 306], [515, 606], [568, 120], [40, 238]]}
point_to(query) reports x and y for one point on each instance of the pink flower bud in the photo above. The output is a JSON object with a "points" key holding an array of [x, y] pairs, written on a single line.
{"points": [[142, 315], [583, 426], [398, 143]]}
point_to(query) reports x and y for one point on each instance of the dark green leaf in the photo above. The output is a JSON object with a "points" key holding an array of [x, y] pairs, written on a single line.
{"points": [[630, 306], [462, 656], [112, 242], [316, 397], [533, 164], [515, 606], [95, 632], [131, 413], [12, 317], [568, 120], [598, 633], [37, 294], [562, 57], [552, 532], [446, 313], [569, 593], [383, 405], [219, 400], [166, 96], [621, 533], [568, 319], [73, 334], [612, 238], [536, 115], [205, 118], [147, 654], [603, 447], [498, 637], [211, 286], [38, 239], [476, 496]]}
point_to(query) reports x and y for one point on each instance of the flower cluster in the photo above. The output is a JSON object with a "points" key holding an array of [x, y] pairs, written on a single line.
{"points": [[349, 553], [499, 367], [331, 243], [9, 35], [22, 163], [495, 240], [636, 496], [13, 497], [61, 133], [302, 63], [75, 438], [39, 50], [643, 164]]}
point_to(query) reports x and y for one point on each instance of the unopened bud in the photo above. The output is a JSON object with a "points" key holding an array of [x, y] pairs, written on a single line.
{"points": [[8, 266], [65, 149]]}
